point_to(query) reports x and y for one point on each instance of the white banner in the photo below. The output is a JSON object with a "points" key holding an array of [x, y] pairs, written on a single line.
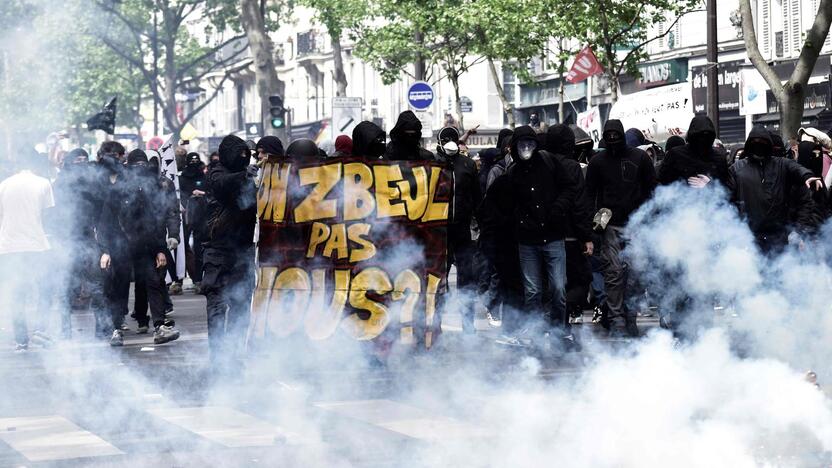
{"points": [[167, 165], [590, 122], [752, 92], [658, 112]]}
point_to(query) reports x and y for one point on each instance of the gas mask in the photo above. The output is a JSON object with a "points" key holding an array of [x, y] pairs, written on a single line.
{"points": [[449, 149], [525, 148]]}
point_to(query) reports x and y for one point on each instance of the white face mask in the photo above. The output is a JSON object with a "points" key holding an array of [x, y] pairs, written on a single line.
{"points": [[525, 149], [451, 148]]}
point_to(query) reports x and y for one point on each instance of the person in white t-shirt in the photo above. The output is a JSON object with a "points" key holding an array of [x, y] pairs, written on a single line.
{"points": [[23, 242]]}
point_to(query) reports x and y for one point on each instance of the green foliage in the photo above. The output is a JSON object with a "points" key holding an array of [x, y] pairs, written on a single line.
{"points": [[338, 16]]}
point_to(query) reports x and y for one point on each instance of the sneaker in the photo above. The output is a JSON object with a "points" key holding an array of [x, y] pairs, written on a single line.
{"points": [[577, 319], [493, 321], [117, 339], [21, 347], [571, 344], [175, 289], [124, 327], [164, 334], [142, 330]]}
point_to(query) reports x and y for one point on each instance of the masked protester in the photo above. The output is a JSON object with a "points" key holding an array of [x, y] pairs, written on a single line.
{"points": [[192, 189], [304, 150], [560, 141], [503, 161], [620, 179], [172, 215], [213, 159], [24, 247], [139, 214], [696, 163], [767, 189], [541, 194], [778, 148], [268, 146], [368, 141], [810, 156], [405, 138], [228, 279], [466, 198]]}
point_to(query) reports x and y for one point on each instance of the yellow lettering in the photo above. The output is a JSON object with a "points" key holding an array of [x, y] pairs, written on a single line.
{"points": [[322, 320], [358, 201], [337, 242], [260, 301], [407, 281], [315, 206], [367, 249], [371, 279], [435, 211], [385, 193], [271, 198], [417, 203], [430, 308], [320, 233], [288, 302]]}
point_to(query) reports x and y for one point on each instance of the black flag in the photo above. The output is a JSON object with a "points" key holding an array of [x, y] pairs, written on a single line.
{"points": [[104, 120]]}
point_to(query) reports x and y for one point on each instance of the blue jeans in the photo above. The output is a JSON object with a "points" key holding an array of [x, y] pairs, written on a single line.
{"points": [[550, 260]]}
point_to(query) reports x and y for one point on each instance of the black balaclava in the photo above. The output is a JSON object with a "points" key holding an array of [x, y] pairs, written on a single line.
{"points": [[406, 135], [368, 140], [810, 156], [235, 154], [614, 137], [193, 159], [303, 150], [701, 134], [560, 140], [673, 142], [448, 142], [777, 145], [271, 145], [69, 162], [153, 165], [758, 146]]}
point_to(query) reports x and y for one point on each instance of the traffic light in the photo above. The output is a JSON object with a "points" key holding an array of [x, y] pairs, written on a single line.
{"points": [[277, 111]]}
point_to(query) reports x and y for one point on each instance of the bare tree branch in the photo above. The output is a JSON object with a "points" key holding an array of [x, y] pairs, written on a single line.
{"points": [[655, 38], [183, 70], [213, 95], [813, 44], [615, 37], [753, 51]]}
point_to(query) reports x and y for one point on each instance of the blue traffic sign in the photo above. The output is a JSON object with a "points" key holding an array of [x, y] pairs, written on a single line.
{"points": [[420, 95]]}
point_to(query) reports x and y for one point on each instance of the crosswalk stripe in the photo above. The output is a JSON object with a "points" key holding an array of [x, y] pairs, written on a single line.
{"points": [[404, 419], [50, 438], [225, 426]]}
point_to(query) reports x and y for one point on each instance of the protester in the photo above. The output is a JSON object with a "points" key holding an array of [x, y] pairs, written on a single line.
{"points": [[343, 146], [766, 189], [405, 138], [560, 141], [672, 142], [620, 179], [466, 198], [304, 150], [810, 156], [228, 280], [192, 190], [542, 194], [24, 246], [504, 140], [368, 141], [697, 162]]}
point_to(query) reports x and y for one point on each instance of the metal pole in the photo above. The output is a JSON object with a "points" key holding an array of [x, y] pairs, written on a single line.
{"points": [[713, 66], [155, 44]]}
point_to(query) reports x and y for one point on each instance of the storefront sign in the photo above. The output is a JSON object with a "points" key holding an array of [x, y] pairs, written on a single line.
{"points": [[655, 74], [353, 247], [728, 79]]}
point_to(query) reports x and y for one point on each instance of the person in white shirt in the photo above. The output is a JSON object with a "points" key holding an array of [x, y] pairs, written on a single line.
{"points": [[23, 242]]}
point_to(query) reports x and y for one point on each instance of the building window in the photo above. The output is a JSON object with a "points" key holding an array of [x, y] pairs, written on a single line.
{"points": [[778, 43], [509, 83]]}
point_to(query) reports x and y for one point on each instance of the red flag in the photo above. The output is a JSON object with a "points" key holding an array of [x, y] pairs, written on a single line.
{"points": [[584, 66]]}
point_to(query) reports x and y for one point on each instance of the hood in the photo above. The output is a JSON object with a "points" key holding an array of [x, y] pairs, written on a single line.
{"points": [[503, 137], [700, 124], [136, 156], [810, 156], [581, 137], [363, 135], [614, 125], [271, 145], [620, 144], [231, 147], [777, 144], [560, 140], [448, 134], [634, 137], [343, 144], [304, 150], [761, 150], [407, 122], [520, 133], [673, 142], [489, 156]]}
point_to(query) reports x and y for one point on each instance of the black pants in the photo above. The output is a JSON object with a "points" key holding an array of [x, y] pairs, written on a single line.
{"points": [[114, 292], [461, 253], [228, 284], [194, 253], [578, 277], [150, 289]]}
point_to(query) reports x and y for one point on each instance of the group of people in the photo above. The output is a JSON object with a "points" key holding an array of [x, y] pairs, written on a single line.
{"points": [[536, 231]]}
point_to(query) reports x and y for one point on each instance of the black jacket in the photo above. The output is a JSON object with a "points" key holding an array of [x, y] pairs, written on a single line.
{"points": [[620, 178], [403, 148], [466, 194], [766, 190], [232, 211], [542, 194], [363, 136], [192, 178], [685, 161], [75, 212], [560, 141]]}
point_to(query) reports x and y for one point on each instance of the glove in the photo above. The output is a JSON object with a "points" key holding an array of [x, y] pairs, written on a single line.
{"points": [[252, 170], [172, 243]]}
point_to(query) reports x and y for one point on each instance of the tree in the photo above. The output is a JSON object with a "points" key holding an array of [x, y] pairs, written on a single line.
{"points": [[612, 26], [789, 95], [137, 29], [338, 16]]}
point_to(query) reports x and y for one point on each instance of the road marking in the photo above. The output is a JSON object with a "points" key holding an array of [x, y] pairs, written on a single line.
{"points": [[47, 438], [225, 426], [404, 419]]}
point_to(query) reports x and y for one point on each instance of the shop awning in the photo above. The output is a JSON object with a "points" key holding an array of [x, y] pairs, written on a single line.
{"points": [[774, 117], [550, 102]]}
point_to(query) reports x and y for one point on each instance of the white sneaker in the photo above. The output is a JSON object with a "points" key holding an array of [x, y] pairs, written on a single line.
{"points": [[117, 339], [495, 322], [165, 334]]}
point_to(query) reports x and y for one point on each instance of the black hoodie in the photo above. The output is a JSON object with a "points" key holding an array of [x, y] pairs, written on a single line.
{"points": [[767, 189], [363, 136], [697, 157], [810, 156], [542, 193], [560, 141], [620, 178], [405, 146], [232, 211]]}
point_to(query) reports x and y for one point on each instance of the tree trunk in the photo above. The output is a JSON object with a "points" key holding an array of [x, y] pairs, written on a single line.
{"points": [[268, 83], [561, 91], [338, 63], [454, 77], [508, 108], [791, 109], [419, 71]]}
